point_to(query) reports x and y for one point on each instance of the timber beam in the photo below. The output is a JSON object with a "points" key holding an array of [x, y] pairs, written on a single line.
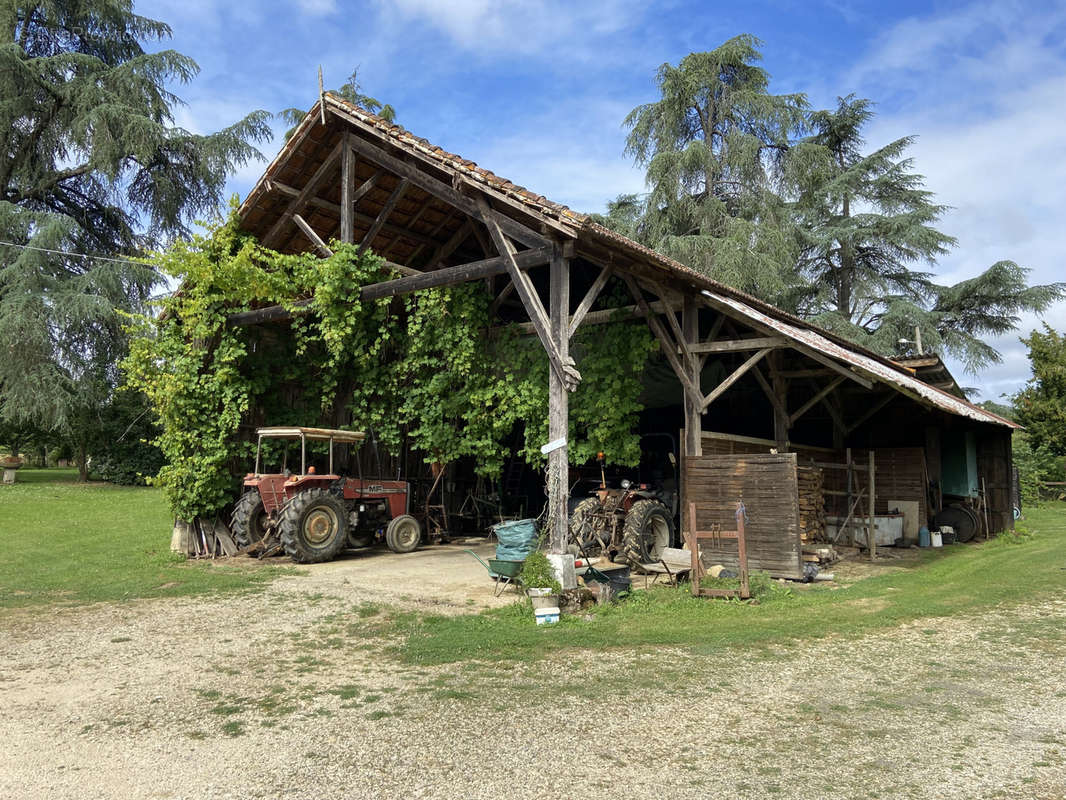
{"points": [[449, 276], [309, 232], [588, 300], [387, 209], [738, 373], [736, 345]]}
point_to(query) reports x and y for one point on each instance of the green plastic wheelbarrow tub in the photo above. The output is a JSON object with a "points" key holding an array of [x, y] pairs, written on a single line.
{"points": [[503, 571]]}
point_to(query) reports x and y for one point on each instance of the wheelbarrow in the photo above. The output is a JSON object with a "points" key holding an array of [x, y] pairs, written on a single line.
{"points": [[504, 572]]}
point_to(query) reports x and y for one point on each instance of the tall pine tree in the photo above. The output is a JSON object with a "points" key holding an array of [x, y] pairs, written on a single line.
{"points": [[716, 146], [866, 224], [92, 168]]}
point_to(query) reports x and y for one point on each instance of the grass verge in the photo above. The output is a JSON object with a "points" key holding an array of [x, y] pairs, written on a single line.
{"points": [[69, 543], [960, 579]]}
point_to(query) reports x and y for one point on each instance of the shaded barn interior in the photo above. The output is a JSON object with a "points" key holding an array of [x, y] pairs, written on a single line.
{"points": [[732, 377]]}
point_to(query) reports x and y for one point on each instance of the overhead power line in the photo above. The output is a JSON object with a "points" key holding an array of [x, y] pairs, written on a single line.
{"points": [[71, 254]]}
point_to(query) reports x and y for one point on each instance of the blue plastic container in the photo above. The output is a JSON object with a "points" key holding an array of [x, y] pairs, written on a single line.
{"points": [[923, 537]]}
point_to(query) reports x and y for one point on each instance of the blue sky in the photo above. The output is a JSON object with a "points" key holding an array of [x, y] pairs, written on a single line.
{"points": [[537, 92]]}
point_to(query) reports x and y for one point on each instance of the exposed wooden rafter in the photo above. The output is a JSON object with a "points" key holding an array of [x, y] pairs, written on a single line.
{"points": [[387, 209], [298, 202], [437, 188]]}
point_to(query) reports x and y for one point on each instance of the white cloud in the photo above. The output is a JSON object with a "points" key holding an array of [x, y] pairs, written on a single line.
{"points": [[317, 8], [560, 28]]}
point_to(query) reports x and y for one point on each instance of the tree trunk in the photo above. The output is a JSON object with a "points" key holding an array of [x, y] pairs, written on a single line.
{"points": [[847, 270], [83, 464]]}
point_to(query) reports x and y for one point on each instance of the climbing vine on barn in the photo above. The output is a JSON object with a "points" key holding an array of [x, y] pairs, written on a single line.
{"points": [[428, 366]]}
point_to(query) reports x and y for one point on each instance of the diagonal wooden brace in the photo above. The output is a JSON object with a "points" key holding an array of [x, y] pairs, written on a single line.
{"points": [[564, 368], [669, 346]]}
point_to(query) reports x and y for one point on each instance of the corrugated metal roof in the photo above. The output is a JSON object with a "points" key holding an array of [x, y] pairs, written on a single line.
{"points": [[875, 366], [871, 367]]}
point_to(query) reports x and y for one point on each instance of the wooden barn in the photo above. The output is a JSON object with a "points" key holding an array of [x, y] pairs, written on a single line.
{"points": [[806, 427]]}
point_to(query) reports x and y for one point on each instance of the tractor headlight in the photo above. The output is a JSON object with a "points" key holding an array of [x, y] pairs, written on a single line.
{"points": [[626, 483]]}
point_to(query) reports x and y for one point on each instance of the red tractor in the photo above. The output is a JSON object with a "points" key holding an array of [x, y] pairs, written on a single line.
{"points": [[631, 524], [314, 516]]}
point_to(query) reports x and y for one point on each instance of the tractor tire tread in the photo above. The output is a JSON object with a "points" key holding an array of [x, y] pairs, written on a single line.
{"points": [[635, 534], [289, 524], [241, 520]]}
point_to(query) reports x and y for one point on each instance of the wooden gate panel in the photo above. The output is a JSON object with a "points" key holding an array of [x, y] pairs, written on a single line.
{"points": [[767, 483]]}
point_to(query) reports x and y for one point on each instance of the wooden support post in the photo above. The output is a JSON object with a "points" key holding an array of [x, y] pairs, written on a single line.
{"points": [[693, 416], [851, 484], [558, 404], [347, 187], [782, 422], [872, 540]]}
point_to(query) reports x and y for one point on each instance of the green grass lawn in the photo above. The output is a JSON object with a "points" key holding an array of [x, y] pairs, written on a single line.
{"points": [[68, 543], [959, 579]]}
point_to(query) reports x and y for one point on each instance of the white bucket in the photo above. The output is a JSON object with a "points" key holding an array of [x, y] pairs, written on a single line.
{"points": [[547, 616], [938, 540]]}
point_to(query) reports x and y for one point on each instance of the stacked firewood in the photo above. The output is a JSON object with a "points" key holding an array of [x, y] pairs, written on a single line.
{"points": [[811, 504], [202, 538]]}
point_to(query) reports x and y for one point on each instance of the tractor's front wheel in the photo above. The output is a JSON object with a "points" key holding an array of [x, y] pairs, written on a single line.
{"points": [[647, 532], [313, 526], [403, 534], [249, 519]]}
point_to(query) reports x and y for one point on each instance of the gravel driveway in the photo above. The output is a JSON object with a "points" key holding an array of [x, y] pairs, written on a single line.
{"points": [[289, 693]]}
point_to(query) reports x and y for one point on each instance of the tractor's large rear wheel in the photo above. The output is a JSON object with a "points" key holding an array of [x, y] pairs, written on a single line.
{"points": [[647, 532], [313, 526], [248, 522]]}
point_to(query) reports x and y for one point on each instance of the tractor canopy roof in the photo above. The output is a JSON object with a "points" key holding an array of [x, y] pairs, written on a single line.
{"points": [[324, 434]]}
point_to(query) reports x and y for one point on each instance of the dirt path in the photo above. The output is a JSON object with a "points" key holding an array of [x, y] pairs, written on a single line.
{"points": [[289, 694]]}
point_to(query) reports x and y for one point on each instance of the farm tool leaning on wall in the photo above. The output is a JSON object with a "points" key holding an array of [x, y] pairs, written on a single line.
{"points": [[312, 516], [631, 524]]}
